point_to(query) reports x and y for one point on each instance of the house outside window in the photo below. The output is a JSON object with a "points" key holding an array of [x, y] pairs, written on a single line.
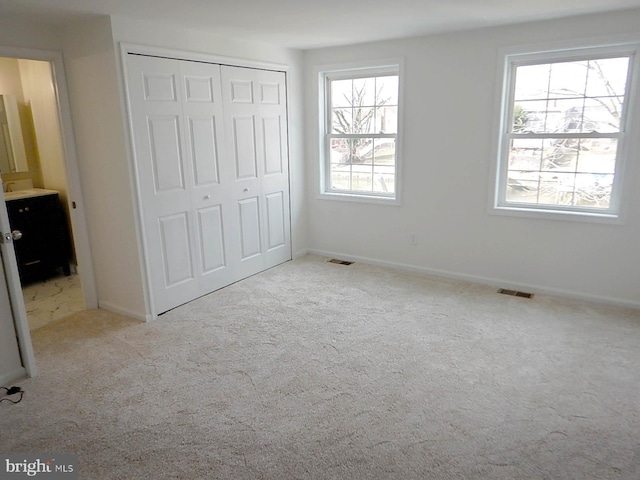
{"points": [[564, 129], [360, 128]]}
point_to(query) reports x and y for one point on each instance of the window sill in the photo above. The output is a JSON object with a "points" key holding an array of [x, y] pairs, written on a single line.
{"points": [[350, 197], [550, 214]]}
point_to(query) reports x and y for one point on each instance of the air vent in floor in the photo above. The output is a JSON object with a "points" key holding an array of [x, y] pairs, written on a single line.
{"points": [[515, 293], [339, 262]]}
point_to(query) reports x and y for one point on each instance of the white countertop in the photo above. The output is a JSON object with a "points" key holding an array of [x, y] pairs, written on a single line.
{"points": [[31, 192]]}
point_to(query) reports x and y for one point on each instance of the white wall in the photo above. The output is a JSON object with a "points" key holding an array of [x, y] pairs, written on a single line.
{"points": [[11, 84], [90, 64], [39, 93], [448, 133]]}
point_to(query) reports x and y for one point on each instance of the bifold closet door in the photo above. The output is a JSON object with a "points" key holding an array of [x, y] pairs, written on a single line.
{"points": [[212, 170], [255, 116], [187, 215]]}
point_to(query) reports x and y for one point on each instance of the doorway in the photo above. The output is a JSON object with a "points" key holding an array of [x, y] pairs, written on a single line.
{"points": [[34, 165], [34, 81]]}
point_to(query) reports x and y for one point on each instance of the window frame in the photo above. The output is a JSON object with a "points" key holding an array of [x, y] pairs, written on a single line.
{"points": [[355, 70], [509, 60]]}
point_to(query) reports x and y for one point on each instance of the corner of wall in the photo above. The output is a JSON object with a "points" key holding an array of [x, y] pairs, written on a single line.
{"points": [[99, 124]]}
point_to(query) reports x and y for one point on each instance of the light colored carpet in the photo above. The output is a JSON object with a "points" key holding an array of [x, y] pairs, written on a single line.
{"points": [[319, 371]]}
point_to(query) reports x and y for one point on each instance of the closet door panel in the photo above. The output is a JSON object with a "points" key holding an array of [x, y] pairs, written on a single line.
{"points": [[218, 250], [266, 106], [275, 211], [174, 235], [249, 211], [166, 155], [211, 232], [272, 116], [204, 147], [164, 175], [244, 146], [272, 145]]}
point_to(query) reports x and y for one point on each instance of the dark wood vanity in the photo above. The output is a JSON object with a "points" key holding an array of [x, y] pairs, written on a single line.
{"points": [[45, 246]]}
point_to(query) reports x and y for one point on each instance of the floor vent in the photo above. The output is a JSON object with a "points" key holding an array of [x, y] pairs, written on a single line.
{"points": [[515, 293], [339, 262]]}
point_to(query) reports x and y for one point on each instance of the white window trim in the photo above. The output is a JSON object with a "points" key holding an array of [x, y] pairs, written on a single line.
{"points": [[369, 67], [561, 51]]}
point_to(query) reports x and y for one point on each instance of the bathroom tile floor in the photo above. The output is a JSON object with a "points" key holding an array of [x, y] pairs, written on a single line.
{"points": [[52, 300]]}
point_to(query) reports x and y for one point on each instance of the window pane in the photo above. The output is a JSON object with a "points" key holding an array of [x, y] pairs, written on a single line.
{"points": [[560, 154], [387, 88], [361, 150], [532, 82], [597, 155], [554, 97], [567, 79], [529, 116], [362, 177], [384, 179], [341, 150], [525, 154], [386, 120], [384, 151], [593, 190], [607, 77], [556, 188], [522, 186], [341, 93], [363, 120], [364, 92], [341, 120], [362, 165], [602, 114], [340, 177]]}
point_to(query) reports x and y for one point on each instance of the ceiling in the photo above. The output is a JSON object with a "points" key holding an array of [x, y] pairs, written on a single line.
{"points": [[307, 24]]}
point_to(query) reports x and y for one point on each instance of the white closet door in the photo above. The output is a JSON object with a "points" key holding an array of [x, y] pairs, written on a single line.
{"points": [[214, 221], [255, 120], [176, 112], [212, 168]]}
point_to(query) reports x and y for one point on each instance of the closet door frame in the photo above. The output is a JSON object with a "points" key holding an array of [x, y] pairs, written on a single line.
{"points": [[131, 48]]}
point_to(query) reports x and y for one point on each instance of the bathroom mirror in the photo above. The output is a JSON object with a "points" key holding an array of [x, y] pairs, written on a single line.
{"points": [[13, 157]]}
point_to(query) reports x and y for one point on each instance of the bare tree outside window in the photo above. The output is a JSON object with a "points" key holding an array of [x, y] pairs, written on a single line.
{"points": [[566, 119], [362, 122]]}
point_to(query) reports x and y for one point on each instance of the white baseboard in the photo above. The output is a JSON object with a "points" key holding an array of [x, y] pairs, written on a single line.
{"points": [[300, 253], [123, 311], [496, 282]]}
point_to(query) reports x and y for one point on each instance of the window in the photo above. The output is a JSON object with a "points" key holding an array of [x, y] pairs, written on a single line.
{"points": [[360, 133], [564, 124]]}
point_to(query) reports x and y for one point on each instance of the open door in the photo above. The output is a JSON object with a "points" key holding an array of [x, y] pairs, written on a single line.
{"points": [[16, 352]]}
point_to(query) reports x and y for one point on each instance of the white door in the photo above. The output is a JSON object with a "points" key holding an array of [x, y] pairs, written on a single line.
{"points": [[256, 126], [14, 328], [200, 233], [10, 361]]}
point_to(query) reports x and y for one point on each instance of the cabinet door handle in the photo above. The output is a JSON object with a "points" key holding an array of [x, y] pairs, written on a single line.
{"points": [[8, 237]]}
